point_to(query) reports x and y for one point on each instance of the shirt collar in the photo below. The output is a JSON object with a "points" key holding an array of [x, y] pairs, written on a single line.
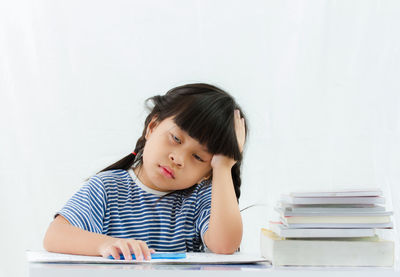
{"points": [[144, 187]]}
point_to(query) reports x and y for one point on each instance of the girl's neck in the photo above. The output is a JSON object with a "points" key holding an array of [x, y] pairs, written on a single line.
{"points": [[139, 183], [139, 174]]}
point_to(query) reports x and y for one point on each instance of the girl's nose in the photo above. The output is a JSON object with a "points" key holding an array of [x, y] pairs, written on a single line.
{"points": [[176, 159]]}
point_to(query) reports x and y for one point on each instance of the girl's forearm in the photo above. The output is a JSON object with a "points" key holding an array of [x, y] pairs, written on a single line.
{"points": [[225, 228], [62, 237]]}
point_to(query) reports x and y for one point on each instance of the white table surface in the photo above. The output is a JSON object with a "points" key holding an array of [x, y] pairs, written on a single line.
{"points": [[116, 270]]}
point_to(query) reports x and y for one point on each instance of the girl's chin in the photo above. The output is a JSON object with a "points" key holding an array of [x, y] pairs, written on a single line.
{"points": [[163, 188], [169, 188]]}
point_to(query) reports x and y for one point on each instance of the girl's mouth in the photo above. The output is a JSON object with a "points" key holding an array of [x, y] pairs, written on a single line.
{"points": [[167, 172]]}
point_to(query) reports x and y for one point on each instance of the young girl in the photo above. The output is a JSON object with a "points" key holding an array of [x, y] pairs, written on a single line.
{"points": [[177, 191]]}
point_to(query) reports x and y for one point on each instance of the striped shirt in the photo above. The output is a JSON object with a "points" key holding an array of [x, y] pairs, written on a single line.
{"points": [[117, 204]]}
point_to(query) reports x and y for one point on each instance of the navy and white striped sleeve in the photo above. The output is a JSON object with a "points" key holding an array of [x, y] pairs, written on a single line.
{"points": [[203, 210], [86, 208]]}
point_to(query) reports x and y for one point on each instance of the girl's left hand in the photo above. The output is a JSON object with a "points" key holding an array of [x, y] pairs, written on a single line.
{"points": [[240, 130]]}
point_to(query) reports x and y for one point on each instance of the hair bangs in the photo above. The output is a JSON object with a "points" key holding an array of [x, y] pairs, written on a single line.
{"points": [[210, 121]]}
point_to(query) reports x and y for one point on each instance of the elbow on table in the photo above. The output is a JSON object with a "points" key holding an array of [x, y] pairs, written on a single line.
{"points": [[224, 250], [226, 247], [48, 241]]}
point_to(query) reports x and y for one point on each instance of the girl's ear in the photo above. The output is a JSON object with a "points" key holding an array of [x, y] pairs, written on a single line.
{"points": [[208, 176], [150, 127]]}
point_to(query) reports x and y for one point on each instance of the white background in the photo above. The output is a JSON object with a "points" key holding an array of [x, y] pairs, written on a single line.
{"points": [[318, 80]]}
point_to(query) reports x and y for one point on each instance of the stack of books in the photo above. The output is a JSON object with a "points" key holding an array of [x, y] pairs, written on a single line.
{"points": [[329, 229]]}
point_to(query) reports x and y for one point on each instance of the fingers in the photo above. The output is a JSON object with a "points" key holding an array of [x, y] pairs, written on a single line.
{"points": [[114, 253], [140, 249], [136, 249], [127, 247], [123, 246], [240, 130], [145, 250]]}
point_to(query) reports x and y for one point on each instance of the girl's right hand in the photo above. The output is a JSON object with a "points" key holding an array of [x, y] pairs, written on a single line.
{"points": [[115, 246]]}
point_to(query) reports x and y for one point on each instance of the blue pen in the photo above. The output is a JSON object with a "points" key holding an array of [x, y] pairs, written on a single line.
{"points": [[161, 255]]}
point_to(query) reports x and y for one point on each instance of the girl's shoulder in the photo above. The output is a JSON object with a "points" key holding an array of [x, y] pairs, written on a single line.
{"points": [[205, 185], [112, 177], [112, 173], [198, 190]]}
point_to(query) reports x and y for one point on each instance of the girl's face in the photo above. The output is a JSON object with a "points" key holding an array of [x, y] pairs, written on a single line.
{"points": [[172, 160]]}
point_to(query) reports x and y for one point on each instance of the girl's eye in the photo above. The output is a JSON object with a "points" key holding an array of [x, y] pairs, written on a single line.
{"points": [[176, 139], [198, 158]]}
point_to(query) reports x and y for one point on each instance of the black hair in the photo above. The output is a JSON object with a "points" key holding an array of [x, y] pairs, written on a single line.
{"points": [[206, 113]]}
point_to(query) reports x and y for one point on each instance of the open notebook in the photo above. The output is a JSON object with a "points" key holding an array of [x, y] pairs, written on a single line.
{"points": [[42, 256]]}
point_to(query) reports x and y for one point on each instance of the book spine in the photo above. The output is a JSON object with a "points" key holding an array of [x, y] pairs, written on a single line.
{"points": [[327, 253], [336, 219]]}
